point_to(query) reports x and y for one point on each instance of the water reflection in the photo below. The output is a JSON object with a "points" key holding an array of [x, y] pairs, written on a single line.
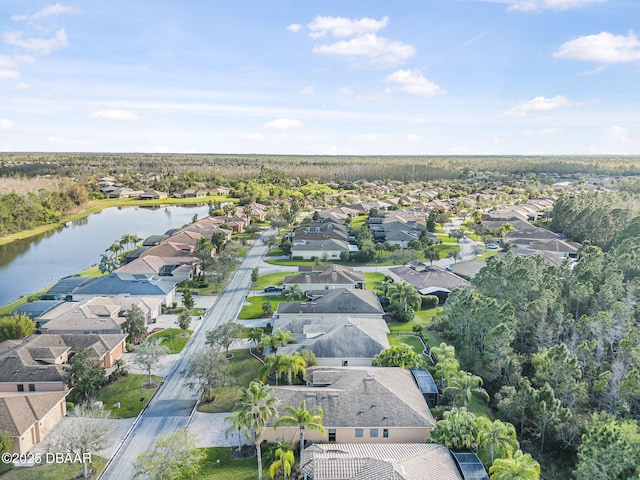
{"points": [[29, 265]]}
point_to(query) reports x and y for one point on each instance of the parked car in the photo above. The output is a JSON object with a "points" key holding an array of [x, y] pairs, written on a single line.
{"points": [[492, 246], [272, 288]]}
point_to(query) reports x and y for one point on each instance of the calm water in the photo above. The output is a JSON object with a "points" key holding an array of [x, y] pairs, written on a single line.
{"points": [[29, 265]]}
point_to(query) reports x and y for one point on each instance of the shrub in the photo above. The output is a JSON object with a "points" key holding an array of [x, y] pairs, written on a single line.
{"points": [[429, 301], [297, 257]]}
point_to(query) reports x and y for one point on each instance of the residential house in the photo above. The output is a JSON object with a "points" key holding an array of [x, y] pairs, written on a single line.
{"points": [[28, 418], [345, 303], [127, 285], [174, 269], [325, 277], [329, 248], [377, 405], [391, 461], [429, 279], [100, 315], [152, 195]]}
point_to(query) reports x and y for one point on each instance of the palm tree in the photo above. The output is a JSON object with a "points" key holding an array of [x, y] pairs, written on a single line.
{"points": [[252, 411], [284, 461], [293, 292], [293, 364], [281, 338], [255, 335], [404, 294], [505, 229], [497, 437], [519, 466], [271, 365], [466, 386], [302, 418]]}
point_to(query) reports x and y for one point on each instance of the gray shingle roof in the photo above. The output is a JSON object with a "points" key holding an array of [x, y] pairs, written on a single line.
{"points": [[360, 397], [422, 276], [340, 301], [326, 274], [124, 283]]}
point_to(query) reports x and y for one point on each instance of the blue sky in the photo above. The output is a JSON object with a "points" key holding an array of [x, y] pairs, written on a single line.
{"points": [[419, 77]]}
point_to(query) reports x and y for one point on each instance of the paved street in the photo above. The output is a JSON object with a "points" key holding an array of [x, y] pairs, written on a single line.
{"points": [[173, 406]]}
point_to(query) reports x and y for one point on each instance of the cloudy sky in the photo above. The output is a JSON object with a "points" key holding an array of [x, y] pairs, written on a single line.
{"points": [[321, 77]]}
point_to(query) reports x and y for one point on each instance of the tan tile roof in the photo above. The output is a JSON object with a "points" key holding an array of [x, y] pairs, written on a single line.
{"points": [[19, 411]]}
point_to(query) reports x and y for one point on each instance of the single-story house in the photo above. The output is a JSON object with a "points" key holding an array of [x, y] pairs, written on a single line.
{"points": [[330, 248], [339, 302], [395, 461], [325, 277], [127, 285], [429, 279], [28, 418], [359, 404]]}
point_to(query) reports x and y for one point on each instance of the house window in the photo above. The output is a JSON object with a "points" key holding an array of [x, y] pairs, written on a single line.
{"points": [[32, 387], [373, 433], [332, 434], [20, 387], [385, 433], [359, 433]]}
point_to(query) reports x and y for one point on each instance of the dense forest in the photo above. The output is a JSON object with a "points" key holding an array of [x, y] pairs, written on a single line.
{"points": [[226, 168]]}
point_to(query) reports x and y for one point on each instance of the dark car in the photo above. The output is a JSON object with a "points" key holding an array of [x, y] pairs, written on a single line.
{"points": [[272, 288]]}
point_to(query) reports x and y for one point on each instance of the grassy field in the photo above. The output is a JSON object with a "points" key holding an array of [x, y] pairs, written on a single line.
{"points": [[128, 391], [254, 307], [173, 338], [230, 468], [372, 279], [245, 369], [53, 471], [269, 279]]}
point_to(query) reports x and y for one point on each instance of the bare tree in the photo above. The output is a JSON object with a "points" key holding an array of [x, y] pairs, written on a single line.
{"points": [[147, 355], [87, 431]]}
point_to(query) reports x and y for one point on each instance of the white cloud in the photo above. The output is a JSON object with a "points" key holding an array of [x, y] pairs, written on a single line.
{"points": [[50, 11], [37, 45], [345, 27], [347, 91], [604, 47], [5, 124], [540, 104], [543, 132], [535, 5], [378, 50], [6, 74], [294, 27], [7, 62], [283, 124], [117, 115], [308, 90], [414, 83]]}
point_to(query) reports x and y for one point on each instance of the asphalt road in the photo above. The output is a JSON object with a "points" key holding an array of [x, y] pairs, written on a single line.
{"points": [[173, 405]]}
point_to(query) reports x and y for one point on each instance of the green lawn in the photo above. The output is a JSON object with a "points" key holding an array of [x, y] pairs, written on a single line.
{"points": [[230, 468], [413, 342], [254, 308], [443, 237], [173, 338], [245, 369], [372, 279], [269, 279], [55, 471], [128, 391]]}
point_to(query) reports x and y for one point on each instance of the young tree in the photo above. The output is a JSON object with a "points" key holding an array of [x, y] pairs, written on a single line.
{"points": [[293, 293], [271, 366], [280, 338], [87, 431], [255, 274], [5, 442], [147, 355], [135, 325], [85, 374], [208, 370], [302, 418], [283, 462], [224, 335], [292, 364], [401, 355], [108, 262], [404, 297], [174, 456], [465, 387], [16, 327], [184, 320], [252, 411], [187, 299], [267, 308]]}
